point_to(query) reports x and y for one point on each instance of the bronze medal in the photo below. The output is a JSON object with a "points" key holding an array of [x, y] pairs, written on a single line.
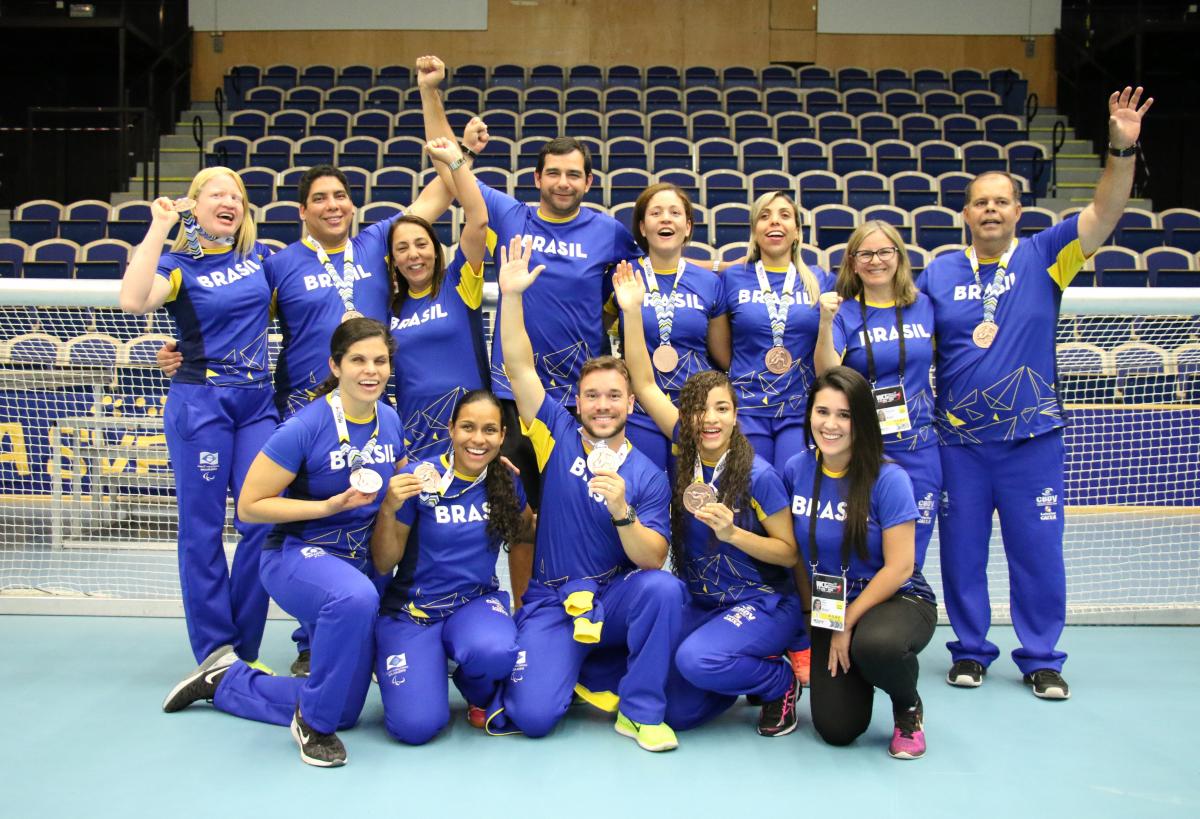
{"points": [[603, 459], [665, 358], [985, 334], [367, 481], [428, 475], [183, 205], [778, 360], [697, 495]]}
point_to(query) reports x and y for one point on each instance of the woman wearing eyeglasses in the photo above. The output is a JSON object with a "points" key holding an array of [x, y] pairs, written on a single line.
{"points": [[878, 323]]}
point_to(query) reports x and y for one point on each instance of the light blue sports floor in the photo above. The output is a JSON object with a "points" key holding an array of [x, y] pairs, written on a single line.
{"points": [[83, 735]]}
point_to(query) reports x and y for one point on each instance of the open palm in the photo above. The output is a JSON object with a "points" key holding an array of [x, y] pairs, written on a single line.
{"points": [[515, 277], [1125, 116]]}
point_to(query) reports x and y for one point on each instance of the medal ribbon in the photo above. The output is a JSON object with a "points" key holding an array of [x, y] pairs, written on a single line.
{"points": [[448, 478], [354, 457], [991, 293], [862, 300], [777, 303], [344, 281], [814, 509], [664, 306], [698, 471], [192, 233]]}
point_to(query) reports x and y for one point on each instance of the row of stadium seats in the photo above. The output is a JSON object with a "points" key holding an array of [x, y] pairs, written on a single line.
{"points": [[543, 98], [1027, 160], [631, 76], [827, 223], [1111, 266], [957, 129]]}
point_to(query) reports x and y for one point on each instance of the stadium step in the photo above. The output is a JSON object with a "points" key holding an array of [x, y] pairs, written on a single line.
{"points": [[1088, 160], [1086, 175]]}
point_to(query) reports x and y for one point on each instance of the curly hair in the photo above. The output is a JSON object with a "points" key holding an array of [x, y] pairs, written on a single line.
{"points": [[734, 491], [504, 511]]}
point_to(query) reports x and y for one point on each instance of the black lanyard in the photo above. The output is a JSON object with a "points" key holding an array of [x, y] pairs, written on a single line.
{"points": [[862, 301], [813, 511]]}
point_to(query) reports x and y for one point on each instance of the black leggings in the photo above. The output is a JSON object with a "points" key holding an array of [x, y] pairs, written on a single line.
{"points": [[883, 654]]}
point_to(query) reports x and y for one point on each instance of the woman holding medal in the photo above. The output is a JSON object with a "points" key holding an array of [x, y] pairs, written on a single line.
{"points": [[731, 543], [681, 305], [879, 324], [436, 312], [318, 478], [854, 514], [220, 405], [444, 521]]}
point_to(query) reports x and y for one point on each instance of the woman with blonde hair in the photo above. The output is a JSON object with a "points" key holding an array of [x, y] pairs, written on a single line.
{"points": [[879, 324], [220, 406]]}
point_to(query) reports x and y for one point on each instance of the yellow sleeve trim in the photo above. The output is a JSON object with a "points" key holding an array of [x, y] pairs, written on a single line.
{"points": [[490, 241], [470, 286], [587, 632], [543, 442], [758, 510], [610, 307], [176, 283], [1069, 262], [604, 700], [578, 603]]}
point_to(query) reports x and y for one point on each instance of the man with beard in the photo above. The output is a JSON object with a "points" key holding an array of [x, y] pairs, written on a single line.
{"points": [[598, 608]]}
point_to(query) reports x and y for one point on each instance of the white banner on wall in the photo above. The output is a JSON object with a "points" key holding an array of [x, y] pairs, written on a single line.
{"points": [[1020, 17], [321, 15]]}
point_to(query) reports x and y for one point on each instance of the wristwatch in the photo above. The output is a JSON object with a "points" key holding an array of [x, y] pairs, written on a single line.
{"points": [[1123, 152], [630, 517], [467, 152], [458, 163]]}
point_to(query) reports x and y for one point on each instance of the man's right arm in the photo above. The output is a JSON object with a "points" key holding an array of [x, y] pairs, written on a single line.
{"points": [[515, 277]]}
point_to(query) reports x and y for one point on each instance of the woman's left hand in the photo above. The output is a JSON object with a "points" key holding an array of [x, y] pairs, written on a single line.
{"points": [[719, 518], [839, 651]]}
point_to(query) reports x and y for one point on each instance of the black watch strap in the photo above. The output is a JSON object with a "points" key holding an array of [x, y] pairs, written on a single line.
{"points": [[467, 152], [1123, 152], [630, 517]]}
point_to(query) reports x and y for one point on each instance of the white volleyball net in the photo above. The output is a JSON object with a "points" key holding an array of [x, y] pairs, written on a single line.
{"points": [[87, 505]]}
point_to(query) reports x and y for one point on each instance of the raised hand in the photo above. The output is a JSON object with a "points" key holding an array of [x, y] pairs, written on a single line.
{"points": [[515, 277], [401, 487], [443, 150], [719, 518], [628, 287], [430, 72], [1125, 116], [162, 210], [829, 302], [475, 135]]}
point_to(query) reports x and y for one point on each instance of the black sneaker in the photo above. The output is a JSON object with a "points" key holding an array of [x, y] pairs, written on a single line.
{"points": [[1048, 684], [778, 717], [322, 750], [966, 674], [202, 683], [300, 665]]}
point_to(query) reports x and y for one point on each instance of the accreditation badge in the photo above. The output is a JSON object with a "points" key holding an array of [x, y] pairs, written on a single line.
{"points": [[891, 406], [828, 601]]}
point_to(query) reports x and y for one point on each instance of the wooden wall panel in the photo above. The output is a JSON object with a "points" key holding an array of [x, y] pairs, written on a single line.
{"points": [[672, 32], [794, 14]]}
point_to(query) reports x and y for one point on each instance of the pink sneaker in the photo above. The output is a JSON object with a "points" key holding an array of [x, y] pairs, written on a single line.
{"points": [[476, 716], [908, 739]]}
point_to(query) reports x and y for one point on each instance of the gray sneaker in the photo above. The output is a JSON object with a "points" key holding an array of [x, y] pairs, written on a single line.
{"points": [[966, 674], [202, 683], [322, 750], [1048, 684]]}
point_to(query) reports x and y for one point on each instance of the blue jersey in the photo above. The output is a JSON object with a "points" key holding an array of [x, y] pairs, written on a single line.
{"points": [[891, 504], [440, 356], [564, 308], [307, 444], [720, 574], [698, 298], [850, 340], [761, 392], [1007, 391], [450, 559], [576, 538], [309, 308], [221, 305]]}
